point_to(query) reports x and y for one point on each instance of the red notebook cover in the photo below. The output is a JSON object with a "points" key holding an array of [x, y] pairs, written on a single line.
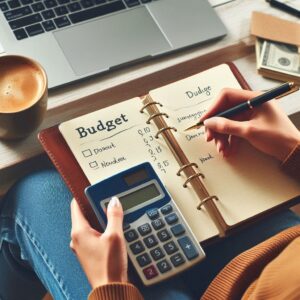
{"points": [[66, 164]]}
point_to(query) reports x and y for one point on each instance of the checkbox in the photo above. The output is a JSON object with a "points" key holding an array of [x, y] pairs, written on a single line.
{"points": [[87, 153], [93, 164]]}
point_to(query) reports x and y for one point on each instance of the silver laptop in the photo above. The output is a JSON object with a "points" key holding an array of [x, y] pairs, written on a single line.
{"points": [[77, 39]]}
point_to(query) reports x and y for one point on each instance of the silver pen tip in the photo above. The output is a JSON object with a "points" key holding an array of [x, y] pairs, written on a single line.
{"points": [[291, 84]]}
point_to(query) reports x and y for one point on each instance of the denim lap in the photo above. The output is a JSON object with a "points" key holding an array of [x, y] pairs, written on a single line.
{"points": [[36, 216]]}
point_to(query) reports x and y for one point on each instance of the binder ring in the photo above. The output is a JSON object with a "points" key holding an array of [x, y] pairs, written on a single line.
{"points": [[164, 129], [148, 104], [192, 177], [186, 166], [156, 115], [203, 201]]}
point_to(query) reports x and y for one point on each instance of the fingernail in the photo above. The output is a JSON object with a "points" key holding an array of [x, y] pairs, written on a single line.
{"points": [[114, 202], [210, 122]]}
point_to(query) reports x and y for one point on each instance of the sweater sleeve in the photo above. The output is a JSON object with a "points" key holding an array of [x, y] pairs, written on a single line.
{"points": [[240, 277], [116, 291], [291, 164], [280, 278]]}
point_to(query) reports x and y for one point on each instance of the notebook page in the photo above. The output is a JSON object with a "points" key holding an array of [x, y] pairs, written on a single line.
{"points": [[247, 183], [115, 138]]}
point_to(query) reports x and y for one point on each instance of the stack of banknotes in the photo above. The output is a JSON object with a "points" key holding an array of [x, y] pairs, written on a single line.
{"points": [[278, 61]]}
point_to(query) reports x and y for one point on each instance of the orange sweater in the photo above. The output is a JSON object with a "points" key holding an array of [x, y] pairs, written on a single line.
{"points": [[270, 270]]}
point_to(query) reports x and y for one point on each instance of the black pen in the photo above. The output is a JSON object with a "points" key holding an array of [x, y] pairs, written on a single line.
{"points": [[285, 7], [278, 92]]}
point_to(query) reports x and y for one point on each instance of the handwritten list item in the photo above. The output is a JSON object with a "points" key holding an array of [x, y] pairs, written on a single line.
{"points": [[113, 139]]}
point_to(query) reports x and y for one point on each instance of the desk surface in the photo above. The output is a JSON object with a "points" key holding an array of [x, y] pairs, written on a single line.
{"points": [[76, 99]]}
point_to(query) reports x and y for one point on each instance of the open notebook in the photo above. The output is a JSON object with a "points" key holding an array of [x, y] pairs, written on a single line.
{"points": [[220, 193]]}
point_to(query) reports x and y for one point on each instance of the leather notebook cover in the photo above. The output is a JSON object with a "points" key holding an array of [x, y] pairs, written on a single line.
{"points": [[66, 164]]}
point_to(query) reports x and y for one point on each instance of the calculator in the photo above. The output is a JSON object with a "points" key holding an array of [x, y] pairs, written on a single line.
{"points": [[159, 241]]}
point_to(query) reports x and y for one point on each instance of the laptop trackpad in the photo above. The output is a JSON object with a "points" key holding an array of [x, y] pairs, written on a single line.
{"points": [[113, 40]]}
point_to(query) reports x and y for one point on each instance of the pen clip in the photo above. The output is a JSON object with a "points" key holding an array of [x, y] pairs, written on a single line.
{"points": [[295, 88]]}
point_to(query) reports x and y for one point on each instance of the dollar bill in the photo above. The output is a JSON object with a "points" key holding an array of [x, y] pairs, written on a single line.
{"points": [[258, 48], [281, 58]]}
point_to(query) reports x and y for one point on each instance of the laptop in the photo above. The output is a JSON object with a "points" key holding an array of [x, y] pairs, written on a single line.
{"points": [[77, 39]]}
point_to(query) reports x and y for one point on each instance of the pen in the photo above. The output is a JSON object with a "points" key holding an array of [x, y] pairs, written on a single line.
{"points": [[285, 7], [278, 92]]}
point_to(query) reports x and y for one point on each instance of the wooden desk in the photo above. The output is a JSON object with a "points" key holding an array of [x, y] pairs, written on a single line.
{"points": [[104, 90]]}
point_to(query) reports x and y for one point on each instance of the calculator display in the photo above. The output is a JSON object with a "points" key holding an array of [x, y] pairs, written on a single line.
{"points": [[136, 177], [139, 196]]}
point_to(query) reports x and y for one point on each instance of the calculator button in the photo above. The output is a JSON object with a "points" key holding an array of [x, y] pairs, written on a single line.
{"points": [[164, 266], [157, 253], [153, 213], [158, 224], [163, 235], [171, 219], [143, 259], [131, 235], [170, 247], [177, 259], [150, 241], [178, 229], [188, 247], [137, 247], [144, 229], [150, 272], [166, 209]]}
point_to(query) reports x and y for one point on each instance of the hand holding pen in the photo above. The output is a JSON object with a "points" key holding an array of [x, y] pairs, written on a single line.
{"points": [[276, 93], [266, 127]]}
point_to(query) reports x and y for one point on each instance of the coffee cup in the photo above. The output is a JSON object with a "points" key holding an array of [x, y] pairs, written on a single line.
{"points": [[23, 96]]}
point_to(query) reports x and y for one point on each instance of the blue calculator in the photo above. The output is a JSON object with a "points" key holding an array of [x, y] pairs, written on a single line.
{"points": [[159, 241]]}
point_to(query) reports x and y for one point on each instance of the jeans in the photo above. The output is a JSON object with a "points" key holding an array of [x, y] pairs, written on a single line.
{"points": [[36, 217]]}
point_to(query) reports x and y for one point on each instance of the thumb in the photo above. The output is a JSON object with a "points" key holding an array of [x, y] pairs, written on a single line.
{"points": [[114, 216], [226, 126]]}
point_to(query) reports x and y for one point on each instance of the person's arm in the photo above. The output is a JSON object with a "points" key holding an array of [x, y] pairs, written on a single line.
{"points": [[269, 130], [280, 278], [266, 127], [103, 257], [115, 291]]}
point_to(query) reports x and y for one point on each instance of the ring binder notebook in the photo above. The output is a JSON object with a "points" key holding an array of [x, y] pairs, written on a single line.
{"points": [[95, 146], [149, 103], [186, 166], [203, 201], [156, 115], [164, 129], [194, 178]]}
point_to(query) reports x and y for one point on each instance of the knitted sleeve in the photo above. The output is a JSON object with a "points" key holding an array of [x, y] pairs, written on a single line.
{"points": [[116, 291], [280, 278], [243, 273]]}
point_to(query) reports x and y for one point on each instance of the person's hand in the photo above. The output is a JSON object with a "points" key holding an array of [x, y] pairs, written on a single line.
{"points": [[266, 127], [103, 257]]}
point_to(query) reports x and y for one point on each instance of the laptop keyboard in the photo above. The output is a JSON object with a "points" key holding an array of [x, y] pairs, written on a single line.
{"points": [[28, 18]]}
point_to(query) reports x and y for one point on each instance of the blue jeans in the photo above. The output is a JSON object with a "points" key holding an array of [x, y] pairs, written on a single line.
{"points": [[36, 216]]}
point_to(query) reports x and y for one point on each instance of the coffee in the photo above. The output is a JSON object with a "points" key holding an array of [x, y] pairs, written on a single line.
{"points": [[21, 84], [23, 96]]}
